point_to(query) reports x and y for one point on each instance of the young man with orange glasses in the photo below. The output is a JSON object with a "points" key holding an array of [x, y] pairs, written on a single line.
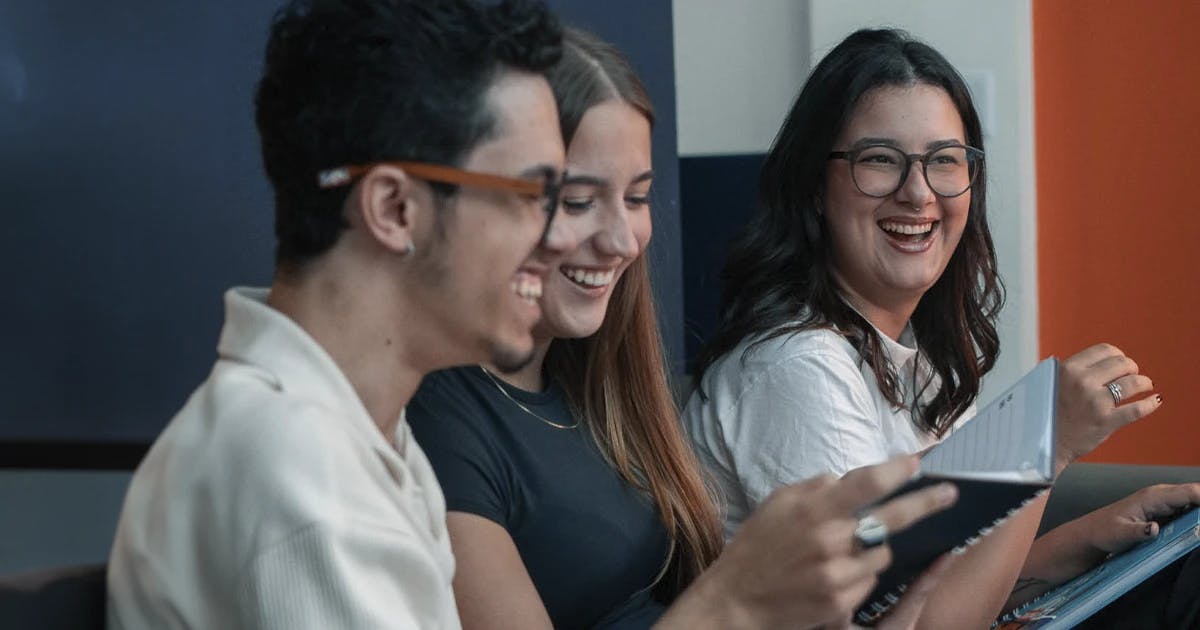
{"points": [[414, 152]]}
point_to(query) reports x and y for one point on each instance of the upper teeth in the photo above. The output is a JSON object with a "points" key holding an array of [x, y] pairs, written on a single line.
{"points": [[590, 278], [528, 287], [906, 228]]}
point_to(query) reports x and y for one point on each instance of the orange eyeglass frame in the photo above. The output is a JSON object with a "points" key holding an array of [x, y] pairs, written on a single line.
{"points": [[342, 175]]}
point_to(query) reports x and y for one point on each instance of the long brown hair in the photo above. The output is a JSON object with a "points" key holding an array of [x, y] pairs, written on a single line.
{"points": [[615, 380]]}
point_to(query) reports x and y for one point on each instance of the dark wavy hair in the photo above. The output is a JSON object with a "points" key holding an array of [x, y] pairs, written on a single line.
{"points": [[778, 277], [616, 379], [359, 81]]}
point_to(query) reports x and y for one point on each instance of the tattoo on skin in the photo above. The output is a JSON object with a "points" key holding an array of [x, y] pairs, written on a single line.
{"points": [[1023, 585]]}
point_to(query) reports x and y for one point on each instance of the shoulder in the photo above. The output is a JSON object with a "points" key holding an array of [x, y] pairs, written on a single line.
{"points": [[815, 370], [470, 447], [449, 382], [253, 465], [789, 354], [251, 417], [450, 407], [456, 392], [278, 452], [799, 346]]}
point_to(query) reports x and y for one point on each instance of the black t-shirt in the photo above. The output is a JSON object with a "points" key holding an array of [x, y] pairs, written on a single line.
{"points": [[591, 543]]}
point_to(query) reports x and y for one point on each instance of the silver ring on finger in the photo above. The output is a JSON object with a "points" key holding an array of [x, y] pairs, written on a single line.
{"points": [[1114, 388], [870, 532]]}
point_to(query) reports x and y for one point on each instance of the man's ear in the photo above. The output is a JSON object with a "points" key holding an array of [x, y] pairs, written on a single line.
{"points": [[389, 205]]}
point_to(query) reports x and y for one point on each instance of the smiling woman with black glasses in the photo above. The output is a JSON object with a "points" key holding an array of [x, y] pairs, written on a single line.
{"points": [[859, 314]]}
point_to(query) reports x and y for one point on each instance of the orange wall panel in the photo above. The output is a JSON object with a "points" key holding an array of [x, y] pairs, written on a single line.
{"points": [[1117, 106]]}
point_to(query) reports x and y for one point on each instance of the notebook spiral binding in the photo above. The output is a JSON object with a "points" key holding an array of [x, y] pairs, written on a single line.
{"points": [[871, 614]]}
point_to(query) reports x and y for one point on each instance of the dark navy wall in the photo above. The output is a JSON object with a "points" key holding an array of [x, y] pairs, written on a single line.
{"points": [[131, 196], [718, 196]]}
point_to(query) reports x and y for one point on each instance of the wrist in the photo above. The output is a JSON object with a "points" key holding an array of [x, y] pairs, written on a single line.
{"points": [[1060, 464], [708, 603], [1067, 551], [1062, 458]]}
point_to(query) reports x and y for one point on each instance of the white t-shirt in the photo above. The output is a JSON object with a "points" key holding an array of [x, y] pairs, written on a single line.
{"points": [[801, 405], [272, 500]]}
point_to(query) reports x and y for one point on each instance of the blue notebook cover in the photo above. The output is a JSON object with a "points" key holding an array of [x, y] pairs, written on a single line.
{"points": [[1071, 603]]}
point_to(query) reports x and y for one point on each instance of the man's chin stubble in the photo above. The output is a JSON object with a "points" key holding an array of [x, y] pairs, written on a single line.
{"points": [[508, 360]]}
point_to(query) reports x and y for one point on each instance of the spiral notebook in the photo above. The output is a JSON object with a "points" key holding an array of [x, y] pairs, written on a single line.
{"points": [[1000, 461], [1075, 601]]}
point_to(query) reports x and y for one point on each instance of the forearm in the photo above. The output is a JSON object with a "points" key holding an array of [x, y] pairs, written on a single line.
{"points": [[1079, 545], [984, 576], [1058, 556], [491, 586], [1049, 562], [705, 605]]}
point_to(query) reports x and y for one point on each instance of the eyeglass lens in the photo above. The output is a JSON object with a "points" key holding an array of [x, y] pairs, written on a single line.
{"points": [[880, 171]]}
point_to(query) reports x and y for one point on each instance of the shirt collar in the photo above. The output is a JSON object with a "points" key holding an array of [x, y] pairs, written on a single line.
{"points": [[899, 352], [256, 334]]}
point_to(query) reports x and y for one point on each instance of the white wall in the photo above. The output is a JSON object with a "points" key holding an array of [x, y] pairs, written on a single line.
{"points": [[736, 72], [739, 65]]}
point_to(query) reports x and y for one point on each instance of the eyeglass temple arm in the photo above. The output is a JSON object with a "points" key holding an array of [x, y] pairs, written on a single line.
{"points": [[342, 175]]}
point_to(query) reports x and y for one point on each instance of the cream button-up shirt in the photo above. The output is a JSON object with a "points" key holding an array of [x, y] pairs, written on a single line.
{"points": [[272, 500]]}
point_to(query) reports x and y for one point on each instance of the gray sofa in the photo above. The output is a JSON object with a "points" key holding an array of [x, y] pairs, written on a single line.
{"points": [[54, 599], [1085, 487]]}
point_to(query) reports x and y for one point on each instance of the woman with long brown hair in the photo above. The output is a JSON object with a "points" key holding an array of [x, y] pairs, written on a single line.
{"points": [[573, 497], [593, 408]]}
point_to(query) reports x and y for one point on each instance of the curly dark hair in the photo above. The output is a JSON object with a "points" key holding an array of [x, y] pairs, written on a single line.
{"points": [[358, 81], [778, 277]]}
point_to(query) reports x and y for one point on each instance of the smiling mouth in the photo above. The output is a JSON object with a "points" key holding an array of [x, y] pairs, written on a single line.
{"points": [[527, 286], [589, 279], [911, 233]]}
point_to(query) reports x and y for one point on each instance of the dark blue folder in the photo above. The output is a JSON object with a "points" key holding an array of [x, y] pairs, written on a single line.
{"points": [[1000, 461]]}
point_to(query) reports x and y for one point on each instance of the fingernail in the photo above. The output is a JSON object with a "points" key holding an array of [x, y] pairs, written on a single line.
{"points": [[947, 492], [1149, 529], [1158, 398]]}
